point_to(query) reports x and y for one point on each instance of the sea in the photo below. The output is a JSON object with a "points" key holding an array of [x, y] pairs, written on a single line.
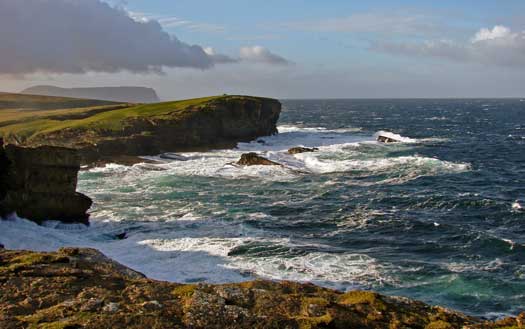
{"points": [[437, 217]]}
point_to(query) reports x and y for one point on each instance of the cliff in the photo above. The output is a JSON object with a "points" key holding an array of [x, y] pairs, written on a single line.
{"points": [[40, 184], [204, 123], [116, 94], [81, 288]]}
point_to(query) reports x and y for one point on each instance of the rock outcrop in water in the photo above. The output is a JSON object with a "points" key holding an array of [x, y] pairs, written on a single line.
{"points": [[116, 94], [40, 184], [253, 159], [297, 150], [81, 288]]}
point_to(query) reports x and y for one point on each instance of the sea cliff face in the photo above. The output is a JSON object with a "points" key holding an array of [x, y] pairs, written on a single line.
{"points": [[219, 123], [40, 184], [204, 123], [81, 288]]}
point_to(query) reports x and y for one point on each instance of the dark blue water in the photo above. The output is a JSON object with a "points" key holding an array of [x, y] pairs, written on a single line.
{"points": [[475, 259]]}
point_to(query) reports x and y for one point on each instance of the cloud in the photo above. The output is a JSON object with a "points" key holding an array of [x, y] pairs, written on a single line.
{"points": [[497, 46], [68, 36], [177, 22], [219, 58], [382, 23], [258, 54]]}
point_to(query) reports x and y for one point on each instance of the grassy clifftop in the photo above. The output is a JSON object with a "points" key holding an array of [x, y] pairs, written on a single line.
{"points": [[42, 120]]}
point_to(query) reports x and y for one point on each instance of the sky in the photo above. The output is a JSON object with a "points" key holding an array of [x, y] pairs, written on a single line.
{"points": [[275, 48]]}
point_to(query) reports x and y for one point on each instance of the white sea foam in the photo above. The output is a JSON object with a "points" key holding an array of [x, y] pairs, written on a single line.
{"points": [[395, 137], [186, 254], [338, 151]]}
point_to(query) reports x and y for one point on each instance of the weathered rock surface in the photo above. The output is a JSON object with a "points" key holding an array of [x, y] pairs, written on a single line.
{"points": [[81, 288], [40, 184], [297, 150], [116, 94], [386, 139], [253, 159]]}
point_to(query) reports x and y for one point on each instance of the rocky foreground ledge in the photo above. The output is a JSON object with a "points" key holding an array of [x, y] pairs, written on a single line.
{"points": [[81, 288]]}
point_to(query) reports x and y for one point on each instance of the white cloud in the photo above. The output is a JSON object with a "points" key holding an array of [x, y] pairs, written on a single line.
{"points": [[259, 54], [497, 46], [177, 22], [497, 32]]}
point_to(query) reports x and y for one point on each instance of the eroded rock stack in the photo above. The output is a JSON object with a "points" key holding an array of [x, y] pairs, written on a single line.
{"points": [[40, 184]]}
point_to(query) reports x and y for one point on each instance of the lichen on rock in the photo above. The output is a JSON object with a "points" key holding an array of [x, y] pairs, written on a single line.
{"points": [[81, 288]]}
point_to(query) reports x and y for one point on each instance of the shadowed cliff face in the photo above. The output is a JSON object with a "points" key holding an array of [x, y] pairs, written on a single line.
{"points": [[220, 123], [81, 288], [40, 184], [4, 165]]}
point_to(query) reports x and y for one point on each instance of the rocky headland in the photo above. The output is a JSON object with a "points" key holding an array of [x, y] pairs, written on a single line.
{"points": [[45, 147], [133, 130], [81, 288]]}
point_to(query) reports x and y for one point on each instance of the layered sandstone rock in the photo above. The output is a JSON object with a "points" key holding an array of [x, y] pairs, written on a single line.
{"points": [[40, 184]]}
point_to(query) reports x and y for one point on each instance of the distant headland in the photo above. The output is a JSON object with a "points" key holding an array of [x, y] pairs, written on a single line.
{"points": [[116, 94]]}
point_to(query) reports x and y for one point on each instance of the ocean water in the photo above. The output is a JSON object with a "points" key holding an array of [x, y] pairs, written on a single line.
{"points": [[433, 218]]}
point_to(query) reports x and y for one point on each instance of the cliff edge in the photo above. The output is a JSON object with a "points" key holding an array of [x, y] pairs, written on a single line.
{"points": [[203, 123]]}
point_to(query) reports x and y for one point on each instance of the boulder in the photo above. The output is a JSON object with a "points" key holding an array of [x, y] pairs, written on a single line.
{"points": [[253, 159], [297, 150]]}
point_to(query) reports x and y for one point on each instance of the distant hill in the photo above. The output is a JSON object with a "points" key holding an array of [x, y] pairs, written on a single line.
{"points": [[9, 101], [116, 94]]}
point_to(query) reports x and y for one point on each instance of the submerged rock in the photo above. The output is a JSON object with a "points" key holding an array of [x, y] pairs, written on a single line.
{"points": [[121, 236], [297, 150], [173, 156], [253, 159], [40, 184], [81, 288]]}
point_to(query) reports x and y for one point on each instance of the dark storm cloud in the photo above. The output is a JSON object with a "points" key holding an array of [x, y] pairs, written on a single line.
{"points": [[77, 36]]}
